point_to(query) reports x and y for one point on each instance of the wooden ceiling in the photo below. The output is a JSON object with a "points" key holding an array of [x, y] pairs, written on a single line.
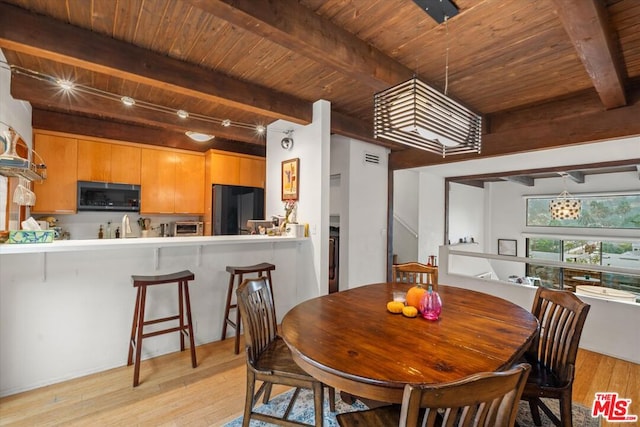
{"points": [[543, 73]]}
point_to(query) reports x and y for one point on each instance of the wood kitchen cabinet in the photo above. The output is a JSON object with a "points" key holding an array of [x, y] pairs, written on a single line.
{"points": [[158, 176], [225, 168], [171, 182], [106, 162], [236, 169], [230, 169], [252, 172], [190, 187], [58, 193]]}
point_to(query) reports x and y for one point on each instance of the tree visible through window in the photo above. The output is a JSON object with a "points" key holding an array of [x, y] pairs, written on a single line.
{"points": [[602, 211]]}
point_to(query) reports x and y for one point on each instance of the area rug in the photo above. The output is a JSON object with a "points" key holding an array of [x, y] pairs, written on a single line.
{"points": [[303, 411]]}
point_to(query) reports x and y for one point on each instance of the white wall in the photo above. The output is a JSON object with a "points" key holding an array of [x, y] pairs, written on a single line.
{"points": [[511, 223], [363, 224], [431, 212], [311, 146], [14, 113], [502, 215], [606, 329], [467, 220], [340, 204], [405, 214]]}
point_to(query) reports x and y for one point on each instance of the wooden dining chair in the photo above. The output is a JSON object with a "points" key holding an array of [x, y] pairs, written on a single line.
{"points": [[552, 354], [487, 399], [268, 357], [415, 273]]}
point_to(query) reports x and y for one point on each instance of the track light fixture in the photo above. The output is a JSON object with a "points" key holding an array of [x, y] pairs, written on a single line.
{"points": [[68, 86]]}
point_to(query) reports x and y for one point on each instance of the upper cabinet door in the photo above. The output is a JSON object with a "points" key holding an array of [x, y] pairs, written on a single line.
{"points": [[225, 169], [252, 172], [57, 193], [94, 161], [106, 162], [125, 164], [236, 169], [158, 176], [190, 186]]}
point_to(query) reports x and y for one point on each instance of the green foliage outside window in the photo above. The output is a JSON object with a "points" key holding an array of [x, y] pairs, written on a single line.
{"points": [[618, 211]]}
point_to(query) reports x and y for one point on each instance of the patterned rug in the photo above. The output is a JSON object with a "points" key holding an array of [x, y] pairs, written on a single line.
{"points": [[303, 411]]}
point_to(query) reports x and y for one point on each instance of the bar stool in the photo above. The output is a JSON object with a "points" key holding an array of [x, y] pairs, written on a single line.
{"points": [[239, 272], [137, 334]]}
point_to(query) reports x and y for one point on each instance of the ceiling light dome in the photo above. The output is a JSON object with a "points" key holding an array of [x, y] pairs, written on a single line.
{"points": [[199, 137]]}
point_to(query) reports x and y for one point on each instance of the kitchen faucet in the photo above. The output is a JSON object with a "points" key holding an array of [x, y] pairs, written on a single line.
{"points": [[126, 226]]}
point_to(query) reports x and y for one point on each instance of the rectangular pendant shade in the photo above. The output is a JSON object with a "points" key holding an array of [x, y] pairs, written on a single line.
{"points": [[415, 114]]}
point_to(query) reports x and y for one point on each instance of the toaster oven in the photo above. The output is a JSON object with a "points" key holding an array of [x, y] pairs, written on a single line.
{"points": [[188, 228]]}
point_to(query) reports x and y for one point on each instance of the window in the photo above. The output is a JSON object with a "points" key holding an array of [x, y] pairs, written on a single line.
{"points": [[598, 211], [584, 253]]}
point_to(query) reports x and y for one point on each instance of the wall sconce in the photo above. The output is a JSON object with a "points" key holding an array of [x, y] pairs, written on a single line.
{"points": [[287, 142]]}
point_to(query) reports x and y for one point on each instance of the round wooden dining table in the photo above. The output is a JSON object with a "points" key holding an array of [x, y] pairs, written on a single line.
{"points": [[348, 339]]}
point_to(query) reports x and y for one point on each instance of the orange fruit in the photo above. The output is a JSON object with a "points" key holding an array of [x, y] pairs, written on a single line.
{"points": [[395, 307], [414, 295], [409, 311]]}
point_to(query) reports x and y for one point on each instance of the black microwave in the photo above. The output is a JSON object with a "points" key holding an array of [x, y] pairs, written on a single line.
{"points": [[106, 196]]}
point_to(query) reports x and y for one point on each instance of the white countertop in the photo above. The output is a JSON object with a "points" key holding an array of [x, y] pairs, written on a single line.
{"points": [[139, 242]]}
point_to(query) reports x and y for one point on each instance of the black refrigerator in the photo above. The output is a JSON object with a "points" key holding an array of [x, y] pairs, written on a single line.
{"points": [[233, 205]]}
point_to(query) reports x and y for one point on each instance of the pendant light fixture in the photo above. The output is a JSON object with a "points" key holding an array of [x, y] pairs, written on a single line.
{"points": [[199, 137], [565, 206], [415, 114]]}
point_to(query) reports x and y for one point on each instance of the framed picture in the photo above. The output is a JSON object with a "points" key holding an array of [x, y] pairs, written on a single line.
{"points": [[290, 179], [507, 247]]}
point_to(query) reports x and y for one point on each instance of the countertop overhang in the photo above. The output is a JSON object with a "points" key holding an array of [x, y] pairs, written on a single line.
{"points": [[140, 242]]}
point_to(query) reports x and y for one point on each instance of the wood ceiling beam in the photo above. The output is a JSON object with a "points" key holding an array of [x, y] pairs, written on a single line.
{"points": [[295, 27], [93, 127], [577, 177], [44, 37], [542, 172], [45, 95], [540, 134], [524, 180], [350, 127], [586, 23]]}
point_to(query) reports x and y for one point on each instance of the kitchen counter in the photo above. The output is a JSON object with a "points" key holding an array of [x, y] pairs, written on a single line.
{"points": [[139, 242], [66, 307]]}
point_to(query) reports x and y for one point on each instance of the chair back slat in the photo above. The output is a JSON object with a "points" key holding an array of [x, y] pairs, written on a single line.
{"points": [[415, 273], [256, 306], [561, 315], [486, 399]]}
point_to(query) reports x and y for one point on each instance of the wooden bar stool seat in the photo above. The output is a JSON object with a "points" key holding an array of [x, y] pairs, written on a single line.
{"points": [[182, 279], [239, 272]]}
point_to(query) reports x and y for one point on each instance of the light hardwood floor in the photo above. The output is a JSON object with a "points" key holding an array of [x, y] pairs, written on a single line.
{"points": [[171, 393]]}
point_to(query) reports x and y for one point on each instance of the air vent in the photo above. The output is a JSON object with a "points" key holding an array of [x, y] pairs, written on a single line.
{"points": [[370, 158]]}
